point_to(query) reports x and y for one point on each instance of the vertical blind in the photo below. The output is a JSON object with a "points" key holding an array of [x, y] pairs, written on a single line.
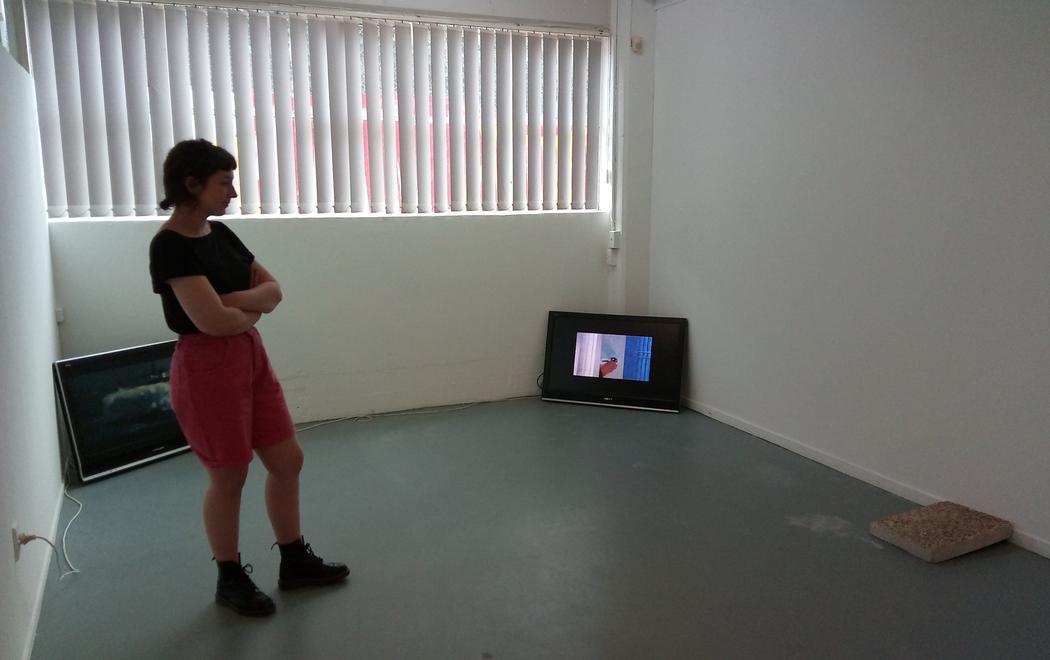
{"points": [[325, 114]]}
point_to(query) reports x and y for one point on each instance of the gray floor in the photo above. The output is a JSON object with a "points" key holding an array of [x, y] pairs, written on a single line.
{"points": [[526, 529]]}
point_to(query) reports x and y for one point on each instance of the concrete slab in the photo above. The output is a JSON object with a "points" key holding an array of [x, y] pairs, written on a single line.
{"points": [[941, 531]]}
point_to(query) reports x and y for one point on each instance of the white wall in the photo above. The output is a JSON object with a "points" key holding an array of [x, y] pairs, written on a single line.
{"points": [[632, 153], [851, 205], [379, 313], [30, 486]]}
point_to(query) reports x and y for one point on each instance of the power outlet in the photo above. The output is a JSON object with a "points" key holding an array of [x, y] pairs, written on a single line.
{"points": [[17, 543]]}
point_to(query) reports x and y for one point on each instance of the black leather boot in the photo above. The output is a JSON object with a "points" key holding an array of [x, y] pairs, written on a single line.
{"points": [[300, 567], [236, 590]]}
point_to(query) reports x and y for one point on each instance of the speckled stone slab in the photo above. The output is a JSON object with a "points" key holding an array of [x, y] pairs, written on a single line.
{"points": [[941, 531]]}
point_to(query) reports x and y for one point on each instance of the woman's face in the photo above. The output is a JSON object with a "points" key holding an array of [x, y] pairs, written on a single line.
{"points": [[215, 195]]}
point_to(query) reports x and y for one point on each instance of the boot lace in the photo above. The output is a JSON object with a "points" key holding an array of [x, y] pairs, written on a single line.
{"points": [[243, 579], [307, 556]]}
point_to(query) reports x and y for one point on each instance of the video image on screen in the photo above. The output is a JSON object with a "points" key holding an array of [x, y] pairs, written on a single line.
{"points": [[128, 401], [619, 357]]}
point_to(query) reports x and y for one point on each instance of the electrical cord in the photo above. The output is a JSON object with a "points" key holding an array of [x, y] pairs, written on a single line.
{"points": [[65, 548], [369, 418], [26, 538], [425, 411]]}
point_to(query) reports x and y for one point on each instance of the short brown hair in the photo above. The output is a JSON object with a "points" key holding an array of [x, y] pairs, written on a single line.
{"points": [[192, 158]]}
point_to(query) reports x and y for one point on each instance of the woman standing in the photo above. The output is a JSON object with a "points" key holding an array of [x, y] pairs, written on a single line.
{"points": [[226, 397]]}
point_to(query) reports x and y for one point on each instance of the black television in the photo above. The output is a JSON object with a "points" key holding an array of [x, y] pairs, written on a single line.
{"points": [[117, 408], [614, 360]]}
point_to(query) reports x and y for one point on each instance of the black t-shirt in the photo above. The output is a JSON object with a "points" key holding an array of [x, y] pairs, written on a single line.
{"points": [[220, 256]]}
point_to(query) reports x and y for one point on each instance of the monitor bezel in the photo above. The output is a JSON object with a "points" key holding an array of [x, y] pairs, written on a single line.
{"points": [[73, 426], [664, 396]]}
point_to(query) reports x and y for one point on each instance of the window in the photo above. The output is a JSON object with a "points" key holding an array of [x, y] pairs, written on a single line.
{"points": [[325, 114]]}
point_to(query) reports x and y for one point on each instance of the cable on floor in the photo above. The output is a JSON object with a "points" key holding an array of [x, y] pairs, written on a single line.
{"points": [[26, 538], [65, 548], [423, 411]]}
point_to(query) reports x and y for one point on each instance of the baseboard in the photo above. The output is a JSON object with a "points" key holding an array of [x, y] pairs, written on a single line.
{"points": [[1036, 544], [38, 603], [1020, 537]]}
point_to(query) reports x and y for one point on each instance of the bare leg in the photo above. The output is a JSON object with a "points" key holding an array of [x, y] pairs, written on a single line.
{"points": [[222, 510], [283, 461]]}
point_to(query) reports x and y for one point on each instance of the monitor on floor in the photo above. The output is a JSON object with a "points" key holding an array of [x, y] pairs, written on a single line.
{"points": [[614, 360], [117, 408]]}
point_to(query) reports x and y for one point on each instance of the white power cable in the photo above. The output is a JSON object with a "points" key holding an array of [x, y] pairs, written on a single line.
{"points": [[26, 538], [65, 548], [424, 411]]}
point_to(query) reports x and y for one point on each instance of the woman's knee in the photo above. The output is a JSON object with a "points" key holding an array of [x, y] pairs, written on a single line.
{"points": [[228, 479], [283, 461], [289, 466]]}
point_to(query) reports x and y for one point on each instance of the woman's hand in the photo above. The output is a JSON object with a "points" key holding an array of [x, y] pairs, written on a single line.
{"points": [[206, 309], [263, 296]]}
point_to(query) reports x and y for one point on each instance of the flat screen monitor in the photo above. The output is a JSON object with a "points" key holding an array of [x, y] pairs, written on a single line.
{"points": [[117, 408], [613, 360]]}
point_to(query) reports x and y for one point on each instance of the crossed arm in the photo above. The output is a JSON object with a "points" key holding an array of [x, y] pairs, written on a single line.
{"points": [[263, 296], [230, 313]]}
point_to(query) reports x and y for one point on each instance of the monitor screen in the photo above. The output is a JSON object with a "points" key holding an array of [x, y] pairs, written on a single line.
{"points": [[117, 408], [623, 357], [608, 359]]}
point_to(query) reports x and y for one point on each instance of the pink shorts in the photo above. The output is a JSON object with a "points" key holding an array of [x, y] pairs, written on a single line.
{"points": [[227, 398]]}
